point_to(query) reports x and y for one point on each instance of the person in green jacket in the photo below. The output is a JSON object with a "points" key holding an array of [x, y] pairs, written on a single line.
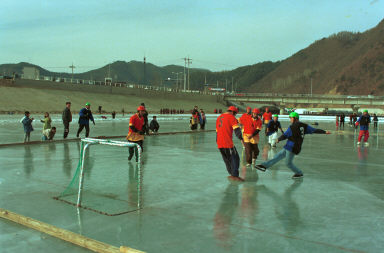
{"points": [[47, 121]]}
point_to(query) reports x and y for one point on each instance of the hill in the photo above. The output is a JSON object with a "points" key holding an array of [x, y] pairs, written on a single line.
{"points": [[133, 72], [344, 63]]}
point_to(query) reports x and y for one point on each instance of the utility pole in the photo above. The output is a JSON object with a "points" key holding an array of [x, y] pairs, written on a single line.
{"points": [[187, 61], [311, 86], [144, 78], [232, 84], [226, 83], [72, 67]]}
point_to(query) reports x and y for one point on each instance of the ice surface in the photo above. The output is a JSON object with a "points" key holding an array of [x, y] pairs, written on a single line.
{"points": [[190, 206]]}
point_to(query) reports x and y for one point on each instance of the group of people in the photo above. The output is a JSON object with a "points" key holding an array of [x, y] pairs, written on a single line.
{"points": [[171, 111], [85, 116], [251, 123], [48, 130], [197, 118]]}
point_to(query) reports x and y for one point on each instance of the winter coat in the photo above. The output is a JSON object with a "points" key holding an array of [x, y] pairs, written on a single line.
{"points": [[27, 123]]}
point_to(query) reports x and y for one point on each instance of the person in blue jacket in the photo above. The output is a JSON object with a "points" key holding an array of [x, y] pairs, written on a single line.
{"points": [[27, 124], [295, 135], [85, 115]]}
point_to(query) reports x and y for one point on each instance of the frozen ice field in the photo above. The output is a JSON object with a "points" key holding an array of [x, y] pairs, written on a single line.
{"points": [[187, 203]]}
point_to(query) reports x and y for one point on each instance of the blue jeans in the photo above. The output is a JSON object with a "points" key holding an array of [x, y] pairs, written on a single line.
{"points": [[288, 160]]}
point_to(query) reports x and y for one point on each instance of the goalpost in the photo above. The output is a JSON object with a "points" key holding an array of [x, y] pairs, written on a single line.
{"points": [[86, 142]]}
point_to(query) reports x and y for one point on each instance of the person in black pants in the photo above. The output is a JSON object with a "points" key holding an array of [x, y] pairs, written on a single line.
{"points": [[85, 115], [67, 118], [145, 115], [342, 120], [375, 120]]}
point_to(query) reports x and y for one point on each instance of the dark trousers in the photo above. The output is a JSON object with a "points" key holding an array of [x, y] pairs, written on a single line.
{"points": [[66, 129], [342, 123], [134, 150], [194, 127], [81, 127], [231, 159], [251, 151], [374, 124], [202, 126]]}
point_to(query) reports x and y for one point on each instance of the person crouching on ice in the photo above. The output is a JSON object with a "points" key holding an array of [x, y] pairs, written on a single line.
{"points": [[272, 129], [364, 122], [295, 135], [226, 123], [136, 131]]}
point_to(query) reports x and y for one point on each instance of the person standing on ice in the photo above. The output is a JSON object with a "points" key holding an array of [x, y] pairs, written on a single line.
{"points": [[252, 127], [136, 131], [245, 119], [85, 115], [267, 116], [295, 135], [67, 118], [272, 129], [226, 124], [27, 124], [364, 122]]}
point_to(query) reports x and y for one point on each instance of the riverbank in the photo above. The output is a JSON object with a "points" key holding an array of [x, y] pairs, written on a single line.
{"points": [[19, 99]]}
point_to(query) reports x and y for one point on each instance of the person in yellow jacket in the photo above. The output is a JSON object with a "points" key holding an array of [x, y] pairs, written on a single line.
{"points": [[252, 128], [136, 131]]}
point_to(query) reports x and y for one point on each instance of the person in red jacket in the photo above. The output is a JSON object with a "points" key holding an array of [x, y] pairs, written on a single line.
{"points": [[226, 124], [267, 116], [136, 131], [251, 131]]}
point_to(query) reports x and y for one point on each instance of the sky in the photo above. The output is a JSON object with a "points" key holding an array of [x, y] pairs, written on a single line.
{"points": [[216, 34]]}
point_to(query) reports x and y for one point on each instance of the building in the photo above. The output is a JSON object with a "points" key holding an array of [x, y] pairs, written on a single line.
{"points": [[31, 73]]}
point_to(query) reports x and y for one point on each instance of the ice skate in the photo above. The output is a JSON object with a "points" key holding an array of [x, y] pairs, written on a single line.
{"points": [[366, 144], [297, 176]]}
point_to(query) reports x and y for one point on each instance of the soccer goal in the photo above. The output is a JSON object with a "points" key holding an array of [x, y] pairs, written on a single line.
{"points": [[82, 169]]}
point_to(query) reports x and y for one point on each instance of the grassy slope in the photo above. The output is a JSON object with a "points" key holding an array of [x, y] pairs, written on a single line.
{"points": [[38, 100]]}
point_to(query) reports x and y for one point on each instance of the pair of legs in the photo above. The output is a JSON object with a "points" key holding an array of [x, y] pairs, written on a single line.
{"points": [[289, 156], [251, 151], [81, 127], [231, 159], [366, 135], [135, 151], [194, 127], [202, 126], [66, 129], [272, 139], [27, 136]]}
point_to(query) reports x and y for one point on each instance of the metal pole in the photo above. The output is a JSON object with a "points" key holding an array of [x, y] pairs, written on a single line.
{"points": [[185, 81], [81, 175], [311, 86]]}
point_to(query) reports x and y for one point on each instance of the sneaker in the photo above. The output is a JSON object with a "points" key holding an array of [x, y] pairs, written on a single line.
{"points": [[260, 167], [366, 144], [358, 143], [297, 176]]}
